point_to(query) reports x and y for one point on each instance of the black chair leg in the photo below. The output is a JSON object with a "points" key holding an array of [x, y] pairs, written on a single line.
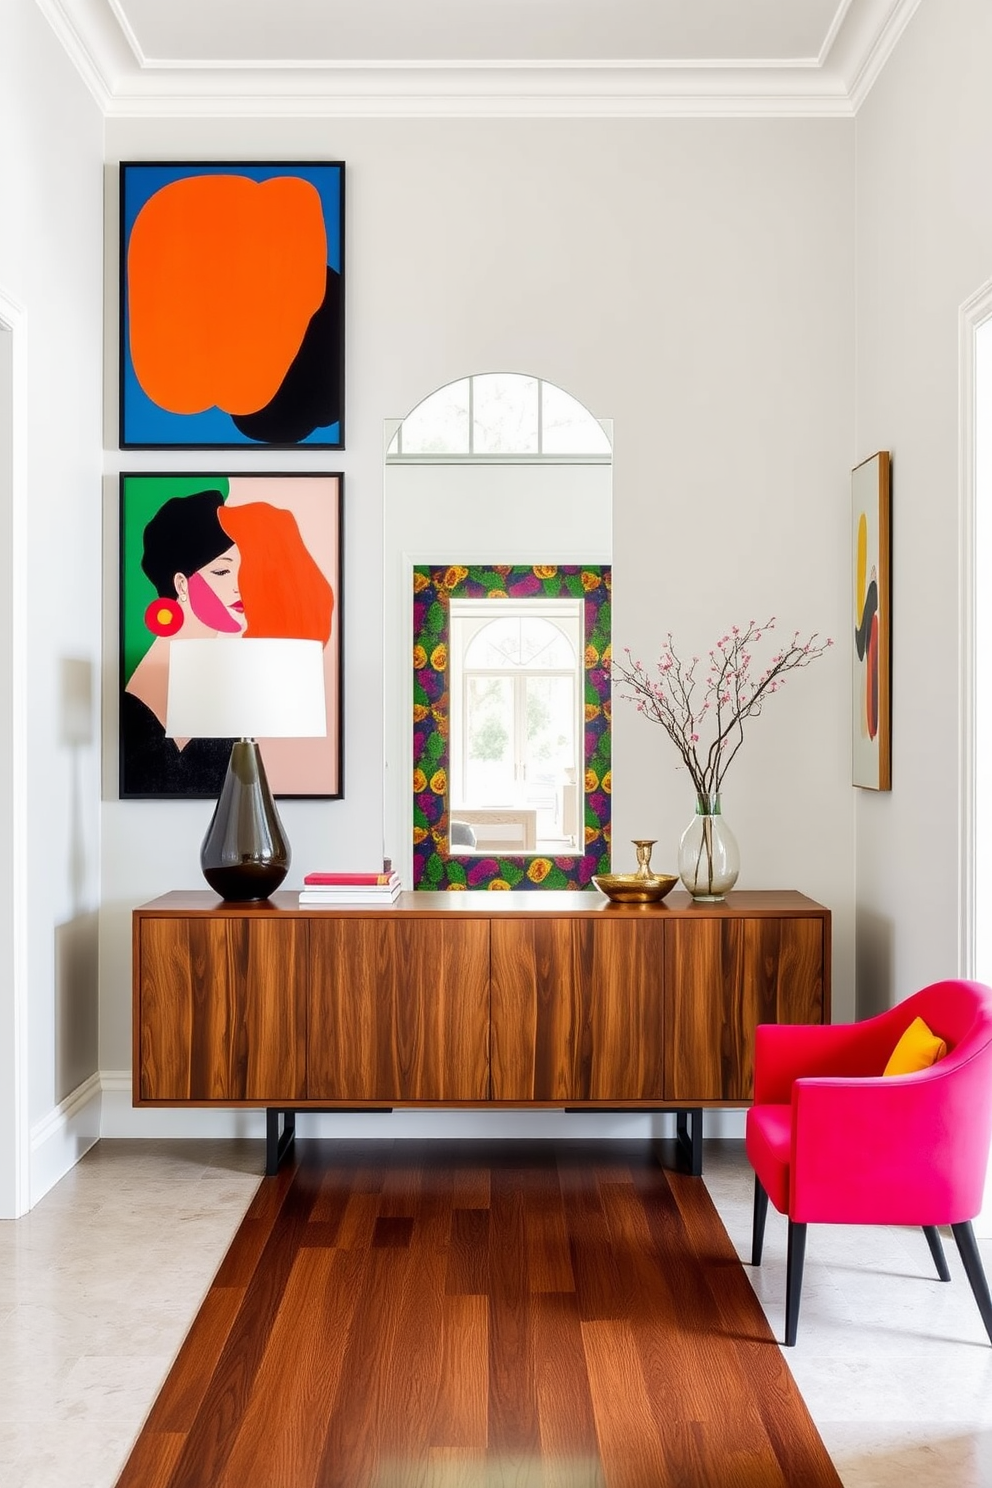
{"points": [[794, 1279], [974, 1270], [758, 1227], [937, 1251]]}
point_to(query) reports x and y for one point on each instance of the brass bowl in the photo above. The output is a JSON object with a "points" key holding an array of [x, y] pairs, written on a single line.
{"points": [[628, 888]]}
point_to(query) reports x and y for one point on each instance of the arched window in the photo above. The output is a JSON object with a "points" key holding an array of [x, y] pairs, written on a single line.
{"points": [[498, 416]]}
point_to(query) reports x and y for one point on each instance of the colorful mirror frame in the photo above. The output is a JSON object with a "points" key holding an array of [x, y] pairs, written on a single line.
{"points": [[433, 866]]}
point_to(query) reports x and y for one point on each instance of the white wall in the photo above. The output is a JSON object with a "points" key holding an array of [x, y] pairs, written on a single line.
{"points": [[51, 267], [691, 280], [924, 216]]}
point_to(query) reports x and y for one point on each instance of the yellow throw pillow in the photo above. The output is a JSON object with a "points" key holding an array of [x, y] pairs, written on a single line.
{"points": [[916, 1050]]}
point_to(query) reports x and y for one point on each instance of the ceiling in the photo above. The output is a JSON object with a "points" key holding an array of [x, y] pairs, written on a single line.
{"points": [[482, 57]]}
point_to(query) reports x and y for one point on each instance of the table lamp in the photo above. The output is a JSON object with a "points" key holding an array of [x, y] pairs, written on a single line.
{"points": [[245, 689]]}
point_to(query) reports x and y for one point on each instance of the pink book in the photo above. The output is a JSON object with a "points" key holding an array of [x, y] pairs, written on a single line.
{"points": [[340, 880]]}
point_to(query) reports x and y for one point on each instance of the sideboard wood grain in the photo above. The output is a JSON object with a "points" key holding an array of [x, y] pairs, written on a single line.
{"points": [[398, 1010], [723, 977], [577, 1010], [222, 1010], [556, 999]]}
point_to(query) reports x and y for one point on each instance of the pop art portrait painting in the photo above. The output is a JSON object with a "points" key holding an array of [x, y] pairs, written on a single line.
{"points": [[221, 557], [231, 305]]}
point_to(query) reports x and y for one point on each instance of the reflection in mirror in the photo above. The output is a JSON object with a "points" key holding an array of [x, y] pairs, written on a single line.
{"points": [[495, 473], [516, 730]]}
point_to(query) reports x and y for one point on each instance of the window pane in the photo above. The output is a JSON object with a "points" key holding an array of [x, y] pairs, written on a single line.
{"points": [[568, 428], [505, 415], [550, 728], [550, 751], [439, 425], [488, 741]]}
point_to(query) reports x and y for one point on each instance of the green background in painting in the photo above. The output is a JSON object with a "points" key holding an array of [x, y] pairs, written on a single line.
{"points": [[141, 497]]}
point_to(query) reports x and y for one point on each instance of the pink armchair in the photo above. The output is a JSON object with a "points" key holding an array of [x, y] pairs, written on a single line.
{"points": [[833, 1140]]}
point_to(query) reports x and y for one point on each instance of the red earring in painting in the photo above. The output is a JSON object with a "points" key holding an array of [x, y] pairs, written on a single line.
{"points": [[164, 617]]}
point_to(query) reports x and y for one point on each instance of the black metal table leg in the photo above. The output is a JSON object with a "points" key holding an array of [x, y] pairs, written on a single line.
{"points": [[276, 1146], [689, 1139]]}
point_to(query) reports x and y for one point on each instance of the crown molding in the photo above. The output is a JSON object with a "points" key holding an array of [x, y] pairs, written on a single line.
{"points": [[873, 45], [83, 42], [565, 91], [126, 84]]}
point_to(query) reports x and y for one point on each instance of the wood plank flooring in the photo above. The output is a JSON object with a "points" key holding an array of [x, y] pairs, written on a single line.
{"points": [[474, 1315]]}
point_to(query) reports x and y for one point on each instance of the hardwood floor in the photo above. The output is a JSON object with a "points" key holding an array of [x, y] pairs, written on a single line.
{"points": [[467, 1315]]}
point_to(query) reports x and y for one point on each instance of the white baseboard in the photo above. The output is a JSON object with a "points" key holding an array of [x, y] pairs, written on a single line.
{"points": [[121, 1119], [59, 1140]]}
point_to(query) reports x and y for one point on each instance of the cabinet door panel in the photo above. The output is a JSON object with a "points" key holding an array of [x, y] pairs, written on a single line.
{"points": [[399, 1010], [723, 977], [222, 1009], [577, 1009]]}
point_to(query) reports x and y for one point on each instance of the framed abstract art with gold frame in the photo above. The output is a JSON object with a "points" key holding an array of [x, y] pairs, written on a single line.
{"points": [[872, 651]]}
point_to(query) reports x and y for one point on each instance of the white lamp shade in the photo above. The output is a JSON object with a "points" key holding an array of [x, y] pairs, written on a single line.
{"points": [[246, 689]]}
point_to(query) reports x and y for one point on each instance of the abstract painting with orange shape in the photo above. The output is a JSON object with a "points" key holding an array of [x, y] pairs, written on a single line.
{"points": [[232, 305], [872, 624]]}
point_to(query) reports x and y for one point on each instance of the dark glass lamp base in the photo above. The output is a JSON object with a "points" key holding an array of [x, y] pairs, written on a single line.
{"points": [[245, 855]]}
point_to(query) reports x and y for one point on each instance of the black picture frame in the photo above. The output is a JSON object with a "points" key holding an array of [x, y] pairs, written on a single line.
{"points": [[291, 565]]}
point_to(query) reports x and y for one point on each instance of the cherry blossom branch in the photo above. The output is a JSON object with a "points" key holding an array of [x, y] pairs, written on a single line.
{"points": [[730, 695]]}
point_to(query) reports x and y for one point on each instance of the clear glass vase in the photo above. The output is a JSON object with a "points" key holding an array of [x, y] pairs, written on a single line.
{"points": [[709, 859]]}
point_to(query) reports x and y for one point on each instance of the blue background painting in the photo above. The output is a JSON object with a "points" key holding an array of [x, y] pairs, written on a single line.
{"points": [[144, 423]]}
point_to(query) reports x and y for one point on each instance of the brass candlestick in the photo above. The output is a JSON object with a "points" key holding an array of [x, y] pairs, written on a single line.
{"points": [[642, 847]]}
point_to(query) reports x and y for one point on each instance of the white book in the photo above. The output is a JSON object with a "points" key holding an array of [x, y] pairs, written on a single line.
{"points": [[364, 891], [349, 896]]}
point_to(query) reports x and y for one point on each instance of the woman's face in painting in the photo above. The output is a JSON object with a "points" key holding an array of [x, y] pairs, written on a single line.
{"points": [[212, 593]]}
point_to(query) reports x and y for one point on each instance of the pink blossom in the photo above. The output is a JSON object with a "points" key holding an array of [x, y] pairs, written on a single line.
{"points": [[727, 695]]}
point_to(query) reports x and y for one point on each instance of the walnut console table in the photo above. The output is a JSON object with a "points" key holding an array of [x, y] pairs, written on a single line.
{"points": [[475, 999]]}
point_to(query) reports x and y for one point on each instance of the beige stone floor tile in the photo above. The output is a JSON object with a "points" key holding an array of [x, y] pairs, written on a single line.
{"points": [[901, 1458], [89, 1455], [98, 1286]]}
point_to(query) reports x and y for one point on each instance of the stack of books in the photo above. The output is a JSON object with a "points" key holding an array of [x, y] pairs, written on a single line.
{"points": [[350, 888]]}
